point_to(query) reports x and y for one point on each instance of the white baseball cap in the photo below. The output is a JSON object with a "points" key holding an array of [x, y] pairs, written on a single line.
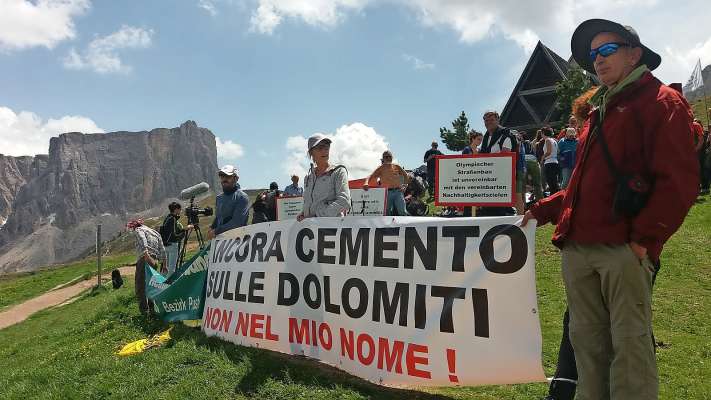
{"points": [[229, 170], [314, 140]]}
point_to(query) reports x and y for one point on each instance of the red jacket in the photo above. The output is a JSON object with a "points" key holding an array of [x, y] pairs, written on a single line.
{"points": [[648, 129]]}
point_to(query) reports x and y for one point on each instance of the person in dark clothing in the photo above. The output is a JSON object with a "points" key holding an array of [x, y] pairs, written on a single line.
{"points": [[429, 159], [264, 207], [172, 233]]}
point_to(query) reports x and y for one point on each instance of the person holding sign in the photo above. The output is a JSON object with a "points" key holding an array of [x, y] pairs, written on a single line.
{"points": [[326, 192], [395, 179], [497, 139]]}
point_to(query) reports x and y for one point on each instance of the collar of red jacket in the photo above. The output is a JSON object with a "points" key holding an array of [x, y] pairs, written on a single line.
{"points": [[629, 91]]}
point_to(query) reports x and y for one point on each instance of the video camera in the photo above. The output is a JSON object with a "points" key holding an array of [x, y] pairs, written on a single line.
{"points": [[192, 211]]}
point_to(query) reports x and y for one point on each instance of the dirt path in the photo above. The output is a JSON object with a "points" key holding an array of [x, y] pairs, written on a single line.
{"points": [[20, 312]]}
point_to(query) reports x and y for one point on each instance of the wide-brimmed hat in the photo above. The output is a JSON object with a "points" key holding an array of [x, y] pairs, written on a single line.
{"points": [[586, 31], [316, 139]]}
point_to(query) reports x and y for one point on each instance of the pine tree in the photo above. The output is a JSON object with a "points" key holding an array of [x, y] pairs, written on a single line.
{"points": [[569, 89], [458, 139]]}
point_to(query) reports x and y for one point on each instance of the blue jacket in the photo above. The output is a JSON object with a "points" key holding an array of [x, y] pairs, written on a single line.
{"points": [[231, 211], [566, 152]]}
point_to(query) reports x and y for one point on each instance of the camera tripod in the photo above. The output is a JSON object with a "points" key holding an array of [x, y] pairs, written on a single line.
{"points": [[194, 220]]}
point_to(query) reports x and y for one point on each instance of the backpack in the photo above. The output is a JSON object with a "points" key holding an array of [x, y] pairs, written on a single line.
{"points": [[166, 230], [116, 280], [270, 204]]}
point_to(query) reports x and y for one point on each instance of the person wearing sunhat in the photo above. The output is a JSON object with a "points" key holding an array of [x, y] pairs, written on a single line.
{"points": [[231, 206], [630, 190], [326, 192]]}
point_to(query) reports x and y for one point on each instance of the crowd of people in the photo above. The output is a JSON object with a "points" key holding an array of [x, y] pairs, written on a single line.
{"points": [[617, 182]]}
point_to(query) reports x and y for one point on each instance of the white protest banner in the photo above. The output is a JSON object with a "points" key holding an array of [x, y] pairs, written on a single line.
{"points": [[395, 300], [475, 180], [289, 207], [369, 203]]}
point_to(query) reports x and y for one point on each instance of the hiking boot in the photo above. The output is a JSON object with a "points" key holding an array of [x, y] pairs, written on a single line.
{"points": [[561, 390]]}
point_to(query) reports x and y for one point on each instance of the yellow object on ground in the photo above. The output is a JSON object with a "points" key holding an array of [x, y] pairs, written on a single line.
{"points": [[139, 346], [193, 323]]}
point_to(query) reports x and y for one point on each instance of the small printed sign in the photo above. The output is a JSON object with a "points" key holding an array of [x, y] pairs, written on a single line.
{"points": [[475, 180], [289, 207]]}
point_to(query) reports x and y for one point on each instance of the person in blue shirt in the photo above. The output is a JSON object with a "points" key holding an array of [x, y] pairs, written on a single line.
{"points": [[294, 190], [566, 155], [232, 205]]}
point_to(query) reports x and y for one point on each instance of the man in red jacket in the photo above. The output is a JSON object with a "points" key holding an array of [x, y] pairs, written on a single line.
{"points": [[609, 255]]}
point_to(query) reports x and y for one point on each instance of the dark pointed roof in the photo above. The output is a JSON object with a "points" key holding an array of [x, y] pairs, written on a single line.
{"points": [[532, 102]]}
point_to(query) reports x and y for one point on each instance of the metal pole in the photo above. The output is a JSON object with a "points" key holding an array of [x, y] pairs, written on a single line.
{"points": [[98, 254]]}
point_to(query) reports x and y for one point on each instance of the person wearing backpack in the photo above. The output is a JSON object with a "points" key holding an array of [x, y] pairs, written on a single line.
{"points": [[172, 233], [497, 139], [566, 155]]}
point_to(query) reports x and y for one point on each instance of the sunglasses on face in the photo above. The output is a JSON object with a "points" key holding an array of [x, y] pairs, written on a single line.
{"points": [[606, 50]]}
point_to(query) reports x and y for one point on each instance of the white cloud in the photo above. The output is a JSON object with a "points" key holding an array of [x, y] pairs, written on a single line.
{"points": [[25, 133], [25, 24], [416, 62], [357, 146], [228, 151], [687, 59], [208, 6], [323, 13], [102, 53]]}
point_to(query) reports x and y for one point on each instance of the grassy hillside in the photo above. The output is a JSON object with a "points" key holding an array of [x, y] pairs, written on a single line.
{"points": [[700, 107], [68, 352]]}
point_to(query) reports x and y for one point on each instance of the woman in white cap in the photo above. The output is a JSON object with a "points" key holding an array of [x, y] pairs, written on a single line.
{"points": [[326, 192]]}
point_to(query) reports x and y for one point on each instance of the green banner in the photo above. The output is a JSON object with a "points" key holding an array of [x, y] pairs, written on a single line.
{"points": [[181, 296]]}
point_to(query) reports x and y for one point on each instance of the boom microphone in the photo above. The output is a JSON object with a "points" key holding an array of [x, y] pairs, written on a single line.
{"points": [[193, 191]]}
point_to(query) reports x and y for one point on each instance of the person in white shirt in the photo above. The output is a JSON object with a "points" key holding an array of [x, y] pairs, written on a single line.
{"points": [[551, 168]]}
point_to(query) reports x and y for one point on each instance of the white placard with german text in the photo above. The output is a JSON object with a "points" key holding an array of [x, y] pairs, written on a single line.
{"points": [[475, 180], [289, 207]]}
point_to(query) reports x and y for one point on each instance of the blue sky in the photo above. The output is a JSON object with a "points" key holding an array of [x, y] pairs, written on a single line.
{"points": [[265, 74]]}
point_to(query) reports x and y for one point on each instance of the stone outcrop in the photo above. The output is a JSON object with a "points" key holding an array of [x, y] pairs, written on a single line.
{"points": [[100, 178], [15, 172]]}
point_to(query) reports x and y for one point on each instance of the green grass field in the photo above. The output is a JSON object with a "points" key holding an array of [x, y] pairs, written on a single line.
{"points": [[69, 352]]}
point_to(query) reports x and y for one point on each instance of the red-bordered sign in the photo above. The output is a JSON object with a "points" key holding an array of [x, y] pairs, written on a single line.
{"points": [[498, 159], [357, 184]]}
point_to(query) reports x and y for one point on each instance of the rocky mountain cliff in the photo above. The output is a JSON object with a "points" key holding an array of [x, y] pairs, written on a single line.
{"points": [[100, 178], [15, 172]]}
